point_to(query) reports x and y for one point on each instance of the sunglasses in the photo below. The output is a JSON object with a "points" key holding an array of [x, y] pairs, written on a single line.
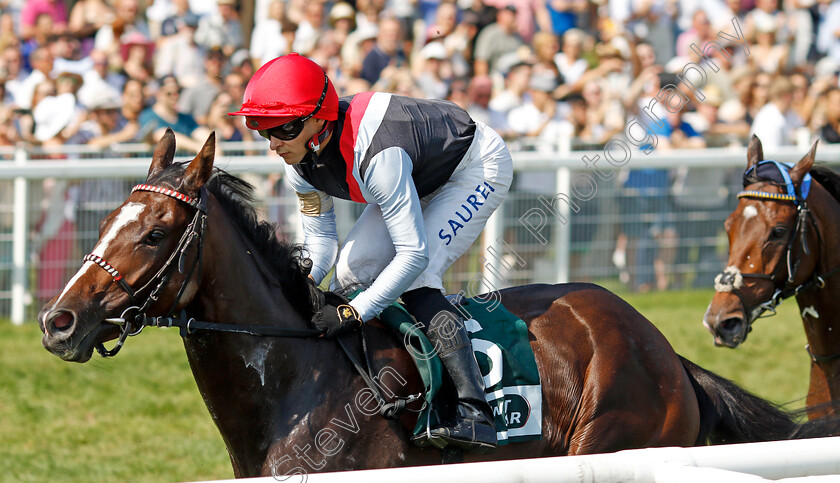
{"points": [[286, 132], [293, 128]]}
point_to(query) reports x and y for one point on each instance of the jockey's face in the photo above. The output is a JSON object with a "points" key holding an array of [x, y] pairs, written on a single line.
{"points": [[295, 150]]}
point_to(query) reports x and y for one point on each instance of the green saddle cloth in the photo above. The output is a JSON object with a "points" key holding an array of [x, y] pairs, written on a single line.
{"points": [[504, 355]]}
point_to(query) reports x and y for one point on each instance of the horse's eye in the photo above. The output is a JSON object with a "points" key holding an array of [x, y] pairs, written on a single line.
{"points": [[154, 238], [778, 233]]}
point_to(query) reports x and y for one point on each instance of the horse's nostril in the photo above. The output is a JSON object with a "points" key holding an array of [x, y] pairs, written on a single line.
{"points": [[731, 324], [63, 321]]}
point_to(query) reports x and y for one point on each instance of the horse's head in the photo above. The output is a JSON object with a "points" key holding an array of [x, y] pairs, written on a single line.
{"points": [[770, 243], [141, 244]]}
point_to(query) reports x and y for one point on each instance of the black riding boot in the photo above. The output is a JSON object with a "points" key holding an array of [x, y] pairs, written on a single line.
{"points": [[473, 428]]}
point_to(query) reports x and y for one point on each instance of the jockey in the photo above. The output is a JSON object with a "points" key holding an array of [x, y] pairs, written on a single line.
{"points": [[430, 176]]}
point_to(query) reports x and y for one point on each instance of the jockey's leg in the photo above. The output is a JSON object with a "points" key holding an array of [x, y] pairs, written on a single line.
{"points": [[472, 428]]}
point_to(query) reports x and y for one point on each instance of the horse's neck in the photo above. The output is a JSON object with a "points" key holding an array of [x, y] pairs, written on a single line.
{"points": [[819, 307], [257, 388]]}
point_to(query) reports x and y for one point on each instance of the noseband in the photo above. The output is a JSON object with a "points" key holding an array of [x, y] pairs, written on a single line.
{"points": [[194, 232]]}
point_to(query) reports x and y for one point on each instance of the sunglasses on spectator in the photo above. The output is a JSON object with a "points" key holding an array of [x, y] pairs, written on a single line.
{"points": [[293, 128]]}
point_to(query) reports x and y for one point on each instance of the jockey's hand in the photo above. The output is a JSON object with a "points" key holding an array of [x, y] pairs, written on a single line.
{"points": [[336, 317]]}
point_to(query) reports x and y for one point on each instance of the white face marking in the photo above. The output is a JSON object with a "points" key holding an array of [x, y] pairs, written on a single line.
{"points": [[128, 213], [750, 212]]}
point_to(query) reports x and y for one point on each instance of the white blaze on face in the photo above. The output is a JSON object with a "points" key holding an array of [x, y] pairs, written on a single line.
{"points": [[129, 213], [750, 212]]}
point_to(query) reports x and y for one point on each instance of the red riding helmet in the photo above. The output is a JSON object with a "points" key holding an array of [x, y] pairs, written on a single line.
{"points": [[285, 89]]}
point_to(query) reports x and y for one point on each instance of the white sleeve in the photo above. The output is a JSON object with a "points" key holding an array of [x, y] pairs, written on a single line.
{"points": [[388, 184], [321, 234]]}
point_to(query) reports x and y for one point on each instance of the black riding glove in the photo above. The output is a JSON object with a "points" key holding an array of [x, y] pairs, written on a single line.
{"points": [[337, 316]]}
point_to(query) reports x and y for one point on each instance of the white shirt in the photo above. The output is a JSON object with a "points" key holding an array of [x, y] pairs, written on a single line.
{"points": [[772, 127]]}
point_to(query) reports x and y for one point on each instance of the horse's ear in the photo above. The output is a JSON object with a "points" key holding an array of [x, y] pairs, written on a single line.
{"points": [[163, 155], [200, 168], [755, 154], [803, 167]]}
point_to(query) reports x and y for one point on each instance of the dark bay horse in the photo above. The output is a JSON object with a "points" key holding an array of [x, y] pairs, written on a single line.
{"points": [[781, 246], [284, 405]]}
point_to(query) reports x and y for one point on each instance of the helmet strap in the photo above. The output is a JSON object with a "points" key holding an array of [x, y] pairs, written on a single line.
{"points": [[316, 141]]}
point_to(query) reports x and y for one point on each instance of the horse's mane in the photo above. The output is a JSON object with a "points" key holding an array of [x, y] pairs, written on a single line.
{"points": [[285, 259], [828, 179]]}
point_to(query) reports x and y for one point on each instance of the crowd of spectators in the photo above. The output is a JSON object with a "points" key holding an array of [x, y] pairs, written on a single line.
{"points": [[79, 71], [100, 72]]}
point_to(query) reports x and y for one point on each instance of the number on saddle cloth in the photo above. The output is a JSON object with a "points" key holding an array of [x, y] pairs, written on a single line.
{"points": [[504, 355]]}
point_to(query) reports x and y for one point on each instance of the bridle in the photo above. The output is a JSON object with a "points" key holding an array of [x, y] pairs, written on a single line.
{"points": [[731, 279], [133, 319]]}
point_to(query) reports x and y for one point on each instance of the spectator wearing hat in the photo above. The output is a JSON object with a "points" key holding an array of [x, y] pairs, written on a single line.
{"points": [[129, 106], [164, 113], [359, 44], [180, 55], [386, 52], [433, 71], [456, 37], [706, 121], [342, 20], [196, 100], [102, 119], [766, 12], [496, 40], [222, 29], [267, 40], [765, 54], [180, 17], [55, 9], [136, 53], [775, 122]]}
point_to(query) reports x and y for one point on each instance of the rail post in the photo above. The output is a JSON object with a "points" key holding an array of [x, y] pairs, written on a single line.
{"points": [[19, 242]]}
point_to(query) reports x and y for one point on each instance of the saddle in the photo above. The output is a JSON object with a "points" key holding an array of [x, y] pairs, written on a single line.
{"points": [[503, 351]]}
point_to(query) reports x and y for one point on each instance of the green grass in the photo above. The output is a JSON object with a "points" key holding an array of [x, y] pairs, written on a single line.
{"points": [[139, 416]]}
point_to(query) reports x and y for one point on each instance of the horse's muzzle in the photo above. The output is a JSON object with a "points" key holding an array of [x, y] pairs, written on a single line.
{"points": [[731, 332], [726, 321], [61, 336]]}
